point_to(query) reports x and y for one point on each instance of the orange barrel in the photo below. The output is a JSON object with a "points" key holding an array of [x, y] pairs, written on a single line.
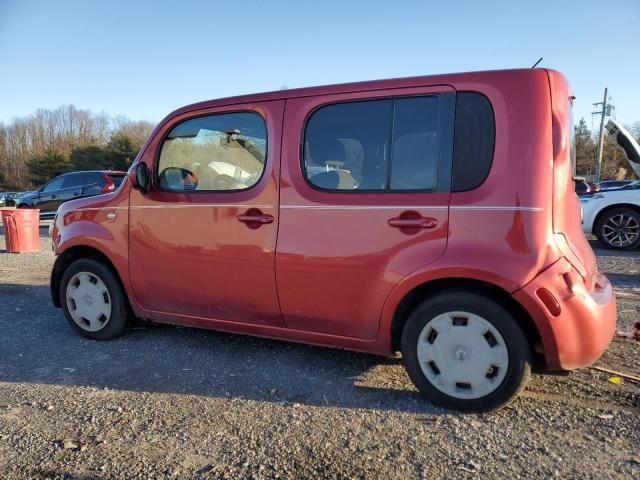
{"points": [[21, 230]]}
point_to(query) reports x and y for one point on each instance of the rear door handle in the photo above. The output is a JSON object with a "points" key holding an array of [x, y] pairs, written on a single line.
{"points": [[422, 222], [250, 218]]}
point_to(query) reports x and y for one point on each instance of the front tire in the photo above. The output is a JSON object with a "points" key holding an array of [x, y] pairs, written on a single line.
{"points": [[466, 352], [619, 229], [93, 301]]}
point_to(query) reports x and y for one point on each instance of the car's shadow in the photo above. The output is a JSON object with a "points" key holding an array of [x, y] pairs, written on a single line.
{"points": [[602, 251], [38, 346]]}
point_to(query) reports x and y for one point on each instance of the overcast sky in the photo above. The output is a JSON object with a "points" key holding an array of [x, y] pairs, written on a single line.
{"points": [[146, 58]]}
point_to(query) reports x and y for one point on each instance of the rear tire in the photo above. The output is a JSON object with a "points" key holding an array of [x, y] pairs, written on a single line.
{"points": [[466, 352], [619, 229], [93, 301]]}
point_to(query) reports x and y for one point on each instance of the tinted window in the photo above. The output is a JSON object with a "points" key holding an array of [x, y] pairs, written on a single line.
{"points": [[215, 153], [383, 145], [474, 140], [94, 178], [117, 179], [55, 184], [414, 156], [73, 180]]}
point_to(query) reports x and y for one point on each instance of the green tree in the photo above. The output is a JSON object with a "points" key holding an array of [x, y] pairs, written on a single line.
{"points": [[44, 167], [121, 151], [585, 149], [90, 157]]}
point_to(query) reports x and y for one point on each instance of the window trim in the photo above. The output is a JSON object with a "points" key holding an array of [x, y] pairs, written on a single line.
{"points": [[156, 164], [446, 115]]}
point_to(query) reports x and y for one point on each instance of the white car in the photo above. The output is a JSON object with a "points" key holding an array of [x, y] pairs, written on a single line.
{"points": [[613, 216]]}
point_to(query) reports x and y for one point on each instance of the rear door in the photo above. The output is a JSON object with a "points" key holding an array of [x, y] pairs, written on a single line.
{"points": [[364, 201]]}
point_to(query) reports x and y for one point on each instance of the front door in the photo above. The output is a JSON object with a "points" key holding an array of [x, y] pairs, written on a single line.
{"points": [[364, 202], [202, 240]]}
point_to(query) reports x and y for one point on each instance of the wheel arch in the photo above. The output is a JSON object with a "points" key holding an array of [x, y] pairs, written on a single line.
{"points": [[430, 288], [608, 208], [69, 256]]}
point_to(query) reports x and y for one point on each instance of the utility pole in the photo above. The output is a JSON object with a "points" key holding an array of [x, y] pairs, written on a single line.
{"points": [[601, 139]]}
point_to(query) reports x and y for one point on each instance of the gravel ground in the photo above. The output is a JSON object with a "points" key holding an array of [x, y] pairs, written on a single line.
{"points": [[175, 402]]}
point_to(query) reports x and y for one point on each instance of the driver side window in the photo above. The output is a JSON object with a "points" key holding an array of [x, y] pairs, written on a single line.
{"points": [[53, 185], [223, 152]]}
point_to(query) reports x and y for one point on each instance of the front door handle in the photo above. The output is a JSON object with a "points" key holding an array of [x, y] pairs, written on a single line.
{"points": [[421, 222], [255, 218]]}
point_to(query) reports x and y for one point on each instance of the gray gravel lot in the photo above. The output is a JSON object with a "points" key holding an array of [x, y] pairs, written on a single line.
{"points": [[183, 403]]}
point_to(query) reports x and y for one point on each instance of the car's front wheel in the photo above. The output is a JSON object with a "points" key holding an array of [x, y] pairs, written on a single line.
{"points": [[93, 300], [619, 229], [465, 351]]}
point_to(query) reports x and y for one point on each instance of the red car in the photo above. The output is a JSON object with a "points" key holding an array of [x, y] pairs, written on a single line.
{"points": [[435, 216]]}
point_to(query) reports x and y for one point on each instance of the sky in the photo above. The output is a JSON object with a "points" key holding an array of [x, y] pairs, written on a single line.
{"points": [[144, 59]]}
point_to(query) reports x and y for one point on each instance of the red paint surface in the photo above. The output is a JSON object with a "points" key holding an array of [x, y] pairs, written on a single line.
{"points": [[328, 271]]}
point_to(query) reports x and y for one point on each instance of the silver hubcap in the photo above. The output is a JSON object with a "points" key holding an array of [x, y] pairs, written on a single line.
{"points": [[88, 301], [462, 355], [621, 230]]}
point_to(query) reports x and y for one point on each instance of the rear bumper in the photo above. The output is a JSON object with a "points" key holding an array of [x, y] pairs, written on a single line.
{"points": [[580, 333]]}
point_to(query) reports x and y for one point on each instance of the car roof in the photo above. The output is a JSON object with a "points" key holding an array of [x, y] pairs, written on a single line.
{"points": [[403, 82]]}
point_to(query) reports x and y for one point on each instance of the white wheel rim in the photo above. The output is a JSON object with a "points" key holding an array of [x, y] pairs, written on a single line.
{"points": [[88, 301], [462, 355]]}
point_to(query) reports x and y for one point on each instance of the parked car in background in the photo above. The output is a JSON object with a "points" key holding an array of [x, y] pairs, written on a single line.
{"points": [[583, 187], [7, 199], [614, 184], [388, 238], [68, 187], [13, 198], [613, 216]]}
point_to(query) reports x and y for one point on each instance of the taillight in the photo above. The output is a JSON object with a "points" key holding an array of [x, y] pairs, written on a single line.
{"points": [[109, 186]]}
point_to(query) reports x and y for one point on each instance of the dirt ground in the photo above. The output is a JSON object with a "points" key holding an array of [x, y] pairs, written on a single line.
{"points": [[168, 402]]}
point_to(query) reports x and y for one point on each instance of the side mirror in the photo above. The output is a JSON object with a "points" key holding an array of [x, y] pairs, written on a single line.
{"points": [[141, 178]]}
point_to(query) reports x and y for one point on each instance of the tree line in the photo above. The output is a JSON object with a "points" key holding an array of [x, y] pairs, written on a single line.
{"points": [[38, 147]]}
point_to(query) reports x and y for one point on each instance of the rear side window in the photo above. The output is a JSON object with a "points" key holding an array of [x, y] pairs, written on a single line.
{"points": [[222, 152], [474, 140], [94, 178], [73, 180], [376, 145]]}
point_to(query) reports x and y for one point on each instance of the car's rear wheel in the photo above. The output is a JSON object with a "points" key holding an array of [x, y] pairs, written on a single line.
{"points": [[619, 229], [93, 300], [465, 351]]}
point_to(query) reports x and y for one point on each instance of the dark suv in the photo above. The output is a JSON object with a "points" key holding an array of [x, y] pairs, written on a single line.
{"points": [[69, 186]]}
